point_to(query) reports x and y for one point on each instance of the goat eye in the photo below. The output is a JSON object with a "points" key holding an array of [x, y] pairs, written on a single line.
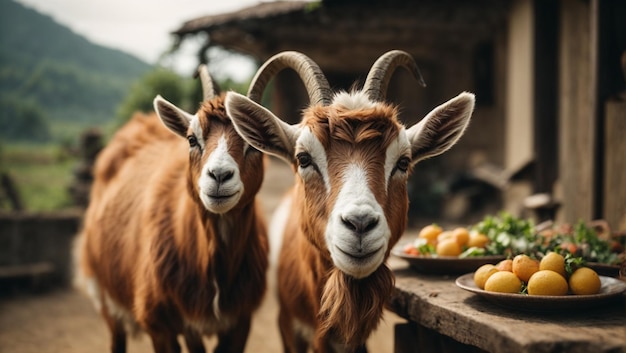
{"points": [[304, 159], [403, 164], [193, 141], [247, 150]]}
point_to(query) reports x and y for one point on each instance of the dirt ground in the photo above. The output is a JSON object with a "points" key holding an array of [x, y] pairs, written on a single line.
{"points": [[64, 321]]}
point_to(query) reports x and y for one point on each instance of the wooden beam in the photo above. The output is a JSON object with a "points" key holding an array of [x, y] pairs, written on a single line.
{"points": [[615, 164], [577, 84], [545, 97]]}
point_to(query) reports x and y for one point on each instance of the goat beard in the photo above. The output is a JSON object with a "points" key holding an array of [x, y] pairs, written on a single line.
{"points": [[352, 308]]}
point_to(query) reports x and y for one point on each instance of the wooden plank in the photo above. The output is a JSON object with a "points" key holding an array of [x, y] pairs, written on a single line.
{"points": [[576, 113], [436, 303], [27, 270], [615, 165], [610, 43]]}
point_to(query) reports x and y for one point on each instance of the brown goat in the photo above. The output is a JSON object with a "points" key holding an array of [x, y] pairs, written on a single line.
{"points": [[349, 204], [173, 242]]}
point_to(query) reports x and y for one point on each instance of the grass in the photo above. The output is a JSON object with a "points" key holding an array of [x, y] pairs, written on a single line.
{"points": [[42, 174]]}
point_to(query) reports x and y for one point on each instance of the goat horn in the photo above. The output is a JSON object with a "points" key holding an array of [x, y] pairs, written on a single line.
{"points": [[311, 75], [380, 74], [208, 89]]}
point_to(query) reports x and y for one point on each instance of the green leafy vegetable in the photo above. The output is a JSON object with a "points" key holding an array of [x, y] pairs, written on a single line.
{"points": [[508, 235]]}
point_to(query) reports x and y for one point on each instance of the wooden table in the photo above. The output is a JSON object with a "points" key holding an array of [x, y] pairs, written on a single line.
{"points": [[445, 318]]}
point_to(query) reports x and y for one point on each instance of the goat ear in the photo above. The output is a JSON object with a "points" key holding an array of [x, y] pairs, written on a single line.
{"points": [[260, 128], [172, 116], [441, 128]]}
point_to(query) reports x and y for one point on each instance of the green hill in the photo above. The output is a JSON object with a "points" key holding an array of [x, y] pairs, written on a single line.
{"points": [[48, 70]]}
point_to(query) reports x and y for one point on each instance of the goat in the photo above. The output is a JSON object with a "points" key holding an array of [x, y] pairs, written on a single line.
{"points": [[348, 206], [173, 241]]}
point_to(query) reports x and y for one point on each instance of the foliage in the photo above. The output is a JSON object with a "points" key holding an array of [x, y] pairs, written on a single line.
{"points": [[53, 85], [185, 93], [508, 234], [230, 85], [34, 36], [157, 82], [45, 67], [572, 263], [581, 240], [22, 120]]}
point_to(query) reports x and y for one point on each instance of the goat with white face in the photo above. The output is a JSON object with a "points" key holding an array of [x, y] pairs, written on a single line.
{"points": [[173, 241], [349, 203]]}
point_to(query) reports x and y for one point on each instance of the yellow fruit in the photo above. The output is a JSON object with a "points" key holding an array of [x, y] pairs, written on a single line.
{"points": [[430, 233], [448, 247], [524, 267], [505, 265], [478, 240], [445, 235], [547, 282], [482, 274], [553, 261], [461, 235], [585, 281], [503, 282]]}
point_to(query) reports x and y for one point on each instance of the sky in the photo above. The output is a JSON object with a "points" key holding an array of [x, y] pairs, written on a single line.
{"points": [[142, 27]]}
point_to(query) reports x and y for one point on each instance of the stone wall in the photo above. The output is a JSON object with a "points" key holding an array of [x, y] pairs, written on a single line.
{"points": [[28, 240]]}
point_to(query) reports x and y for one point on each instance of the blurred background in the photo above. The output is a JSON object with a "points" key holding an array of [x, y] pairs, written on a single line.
{"points": [[68, 67], [546, 140], [547, 76]]}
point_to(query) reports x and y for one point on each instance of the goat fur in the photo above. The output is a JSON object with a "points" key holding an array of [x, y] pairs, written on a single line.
{"points": [[153, 255]]}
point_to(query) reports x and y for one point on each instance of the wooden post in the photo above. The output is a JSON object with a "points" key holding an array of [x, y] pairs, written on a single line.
{"points": [[545, 83], [412, 337], [577, 125], [611, 110], [615, 164], [11, 192], [615, 159]]}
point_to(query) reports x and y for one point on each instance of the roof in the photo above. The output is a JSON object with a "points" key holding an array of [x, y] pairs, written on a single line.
{"points": [[262, 11], [346, 36]]}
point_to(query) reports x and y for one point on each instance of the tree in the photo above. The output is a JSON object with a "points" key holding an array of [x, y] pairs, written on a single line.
{"points": [[160, 81], [183, 92], [22, 120]]}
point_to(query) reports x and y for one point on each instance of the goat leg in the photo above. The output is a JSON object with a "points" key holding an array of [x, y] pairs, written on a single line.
{"points": [[164, 342], [118, 332], [193, 341], [234, 340], [361, 349]]}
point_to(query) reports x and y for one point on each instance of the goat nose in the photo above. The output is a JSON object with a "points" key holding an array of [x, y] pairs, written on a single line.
{"points": [[221, 175], [360, 223]]}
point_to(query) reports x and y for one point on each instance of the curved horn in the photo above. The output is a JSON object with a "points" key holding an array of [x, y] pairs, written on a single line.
{"points": [[380, 74], [311, 75], [208, 89]]}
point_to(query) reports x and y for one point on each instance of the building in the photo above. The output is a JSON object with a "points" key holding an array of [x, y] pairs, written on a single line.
{"points": [[550, 116]]}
